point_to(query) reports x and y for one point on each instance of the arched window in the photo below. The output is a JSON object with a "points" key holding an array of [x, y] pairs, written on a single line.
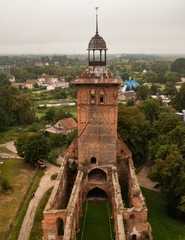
{"points": [[92, 96], [60, 227], [93, 160], [134, 237], [132, 216], [101, 96]]}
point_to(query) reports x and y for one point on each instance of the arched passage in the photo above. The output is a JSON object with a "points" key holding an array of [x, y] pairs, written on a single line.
{"points": [[97, 194], [97, 175]]}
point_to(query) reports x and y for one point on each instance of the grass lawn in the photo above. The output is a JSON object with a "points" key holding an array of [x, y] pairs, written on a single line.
{"points": [[163, 227], [5, 150], [96, 221], [18, 175]]}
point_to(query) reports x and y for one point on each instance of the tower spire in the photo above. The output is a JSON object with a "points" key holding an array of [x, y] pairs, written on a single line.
{"points": [[96, 20]]}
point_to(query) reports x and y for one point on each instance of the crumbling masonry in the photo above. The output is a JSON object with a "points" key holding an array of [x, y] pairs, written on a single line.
{"points": [[104, 163]]}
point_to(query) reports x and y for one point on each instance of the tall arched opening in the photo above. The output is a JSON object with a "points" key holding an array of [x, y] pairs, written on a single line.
{"points": [[60, 227]]}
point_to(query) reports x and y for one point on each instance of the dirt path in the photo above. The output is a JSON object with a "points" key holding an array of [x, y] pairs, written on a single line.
{"points": [[143, 179], [11, 147], [45, 184]]}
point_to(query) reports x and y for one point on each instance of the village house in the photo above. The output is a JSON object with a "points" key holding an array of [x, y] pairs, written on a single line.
{"points": [[30, 83], [63, 126], [41, 78], [127, 95], [39, 64], [18, 84], [11, 78], [54, 79], [55, 85]]}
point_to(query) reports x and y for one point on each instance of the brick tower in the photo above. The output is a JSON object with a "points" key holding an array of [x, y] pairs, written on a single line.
{"points": [[97, 107], [104, 163]]}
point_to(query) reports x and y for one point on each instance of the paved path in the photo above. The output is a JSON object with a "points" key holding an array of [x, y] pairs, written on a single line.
{"points": [[143, 179], [45, 184]]}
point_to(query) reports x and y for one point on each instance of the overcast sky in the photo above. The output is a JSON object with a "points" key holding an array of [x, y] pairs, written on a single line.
{"points": [[66, 26]]}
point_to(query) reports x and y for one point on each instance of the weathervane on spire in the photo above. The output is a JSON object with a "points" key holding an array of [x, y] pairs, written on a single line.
{"points": [[96, 20]]}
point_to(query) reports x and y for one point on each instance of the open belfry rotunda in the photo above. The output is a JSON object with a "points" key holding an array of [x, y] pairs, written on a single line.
{"points": [[97, 165]]}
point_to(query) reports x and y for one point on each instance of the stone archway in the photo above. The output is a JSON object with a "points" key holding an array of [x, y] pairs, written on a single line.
{"points": [[97, 175], [97, 194]]}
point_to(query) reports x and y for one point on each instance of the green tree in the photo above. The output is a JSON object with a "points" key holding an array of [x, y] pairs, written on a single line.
{"points": [[143, 92], [22, 109], [170, 89], [32, 147], [170, 173], [172, 77], [154, 89], [4, 123], [23, 75], [133, 129], [50, 115], [178, 102], [150, 108], [57, 140], [167, 122], [60, 114], [178, 65], [4, 79]]}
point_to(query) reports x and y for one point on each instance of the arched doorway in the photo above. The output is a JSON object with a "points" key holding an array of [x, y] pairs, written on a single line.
{"points": [[97, 194], [97, 175], [134, 237]]}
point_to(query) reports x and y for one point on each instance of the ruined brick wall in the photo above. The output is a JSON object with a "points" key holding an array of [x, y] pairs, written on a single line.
{"points": [[69, 215], [72, 151], [122, 170], [135, 217]]}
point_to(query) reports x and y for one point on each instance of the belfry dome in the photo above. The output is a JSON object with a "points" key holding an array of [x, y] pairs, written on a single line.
{"points": [[97, 43]]}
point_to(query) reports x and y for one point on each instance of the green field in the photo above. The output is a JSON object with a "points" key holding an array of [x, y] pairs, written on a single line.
{"points": [[96, 223], [163, 227], [19, 176]]}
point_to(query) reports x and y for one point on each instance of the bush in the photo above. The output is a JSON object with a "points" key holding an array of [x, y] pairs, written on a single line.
{"points": [[5, 184], [54, 176], [52, 157]]}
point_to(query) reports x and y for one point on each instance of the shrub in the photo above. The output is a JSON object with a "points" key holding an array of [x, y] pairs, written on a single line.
{"points": [[5, 184]]}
